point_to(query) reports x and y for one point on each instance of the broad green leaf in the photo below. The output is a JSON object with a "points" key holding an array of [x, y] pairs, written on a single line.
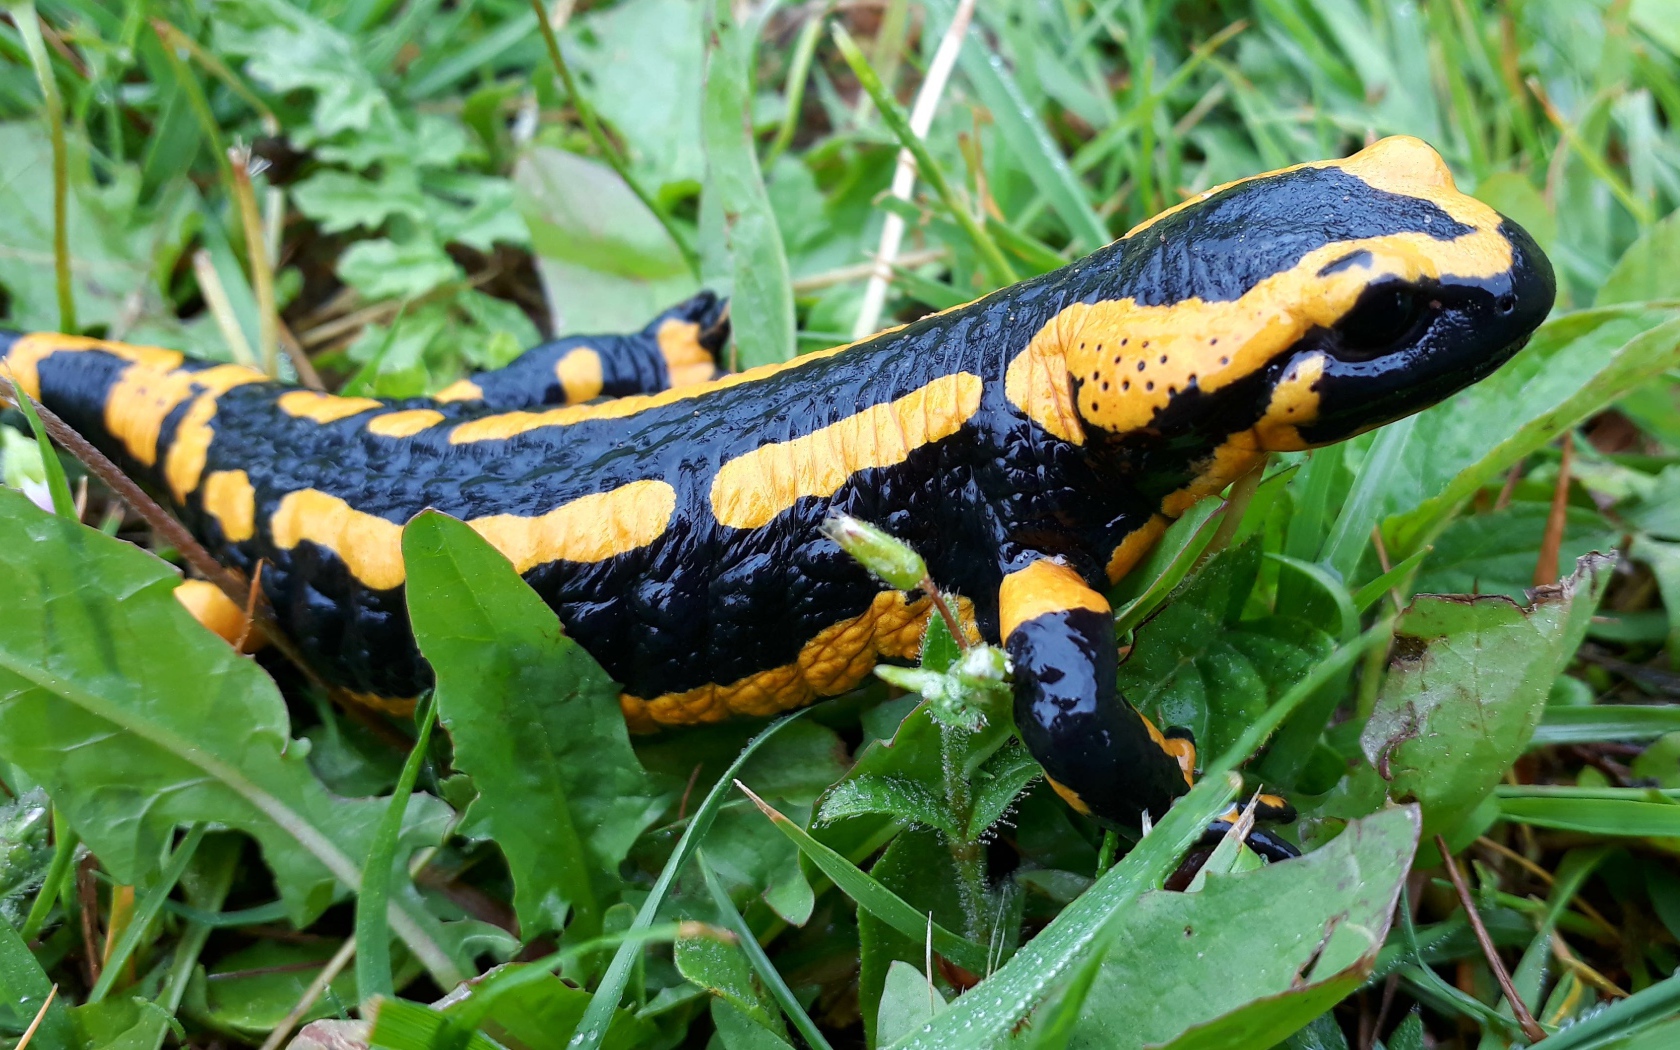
{"points": [[401, 1025], [287, 49], [541, 1013], [1574, 366], [340, 201], [136, 719], [1496, 552], [246, 993], [1198, 664], [24, 990], [908, 1000], [737, 1031], [643, 60], [606, 263], [907, 800], [761, 298], [721, 968], [1252, 956], [535, 722], [116, 244], [1650, 268], [1467, 688], [916, 866], [385, 269]]}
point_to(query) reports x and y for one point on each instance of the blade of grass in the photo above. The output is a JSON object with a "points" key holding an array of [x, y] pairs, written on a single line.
{"points": [[761, 963], [143, 916], [1352, 530], [1369, 594], [1603, 723], [28, 23], [1018, 987], [799, 71], [997, 267], [64, 504], [592, 1029], [373, 960], [1622, 1019], [64, 852], [871, 896]]}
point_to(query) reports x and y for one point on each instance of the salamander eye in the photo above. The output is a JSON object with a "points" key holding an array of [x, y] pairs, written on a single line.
{"points": [[1383, 318]]}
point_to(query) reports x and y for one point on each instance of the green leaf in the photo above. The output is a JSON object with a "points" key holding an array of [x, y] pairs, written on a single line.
{"points": [[908, 1001], [535, 722], [737, 1031], [136, 719], [606, 263], [1574, 366], [539, 1011], [1198, 664], [373, 939], [721, 968], [1606, 722], [1013, 991], [1254, 956], [1467, 688], [340, 201], [1611, 812], [384, 269], [24, 990], [904, 799], [761, 296], [1649, 269], [248, 992], [1495, 553], [402, 1025]]}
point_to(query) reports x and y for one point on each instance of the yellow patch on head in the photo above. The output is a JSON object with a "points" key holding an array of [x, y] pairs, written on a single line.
{"points": [[230, 499], [751, 489], [686, 361], [580, 375], [369, 546], [460, 390], [837, 660], [1043, 587], [1131, 550], [590, 528], [406, 423], [324, 408]]}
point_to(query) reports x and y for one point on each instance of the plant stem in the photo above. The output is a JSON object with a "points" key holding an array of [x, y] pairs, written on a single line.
{"points": [[967, 855], [598, 135], [29, 28], [262, 271]]}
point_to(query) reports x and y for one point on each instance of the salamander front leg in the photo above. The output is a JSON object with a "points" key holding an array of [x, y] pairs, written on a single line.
{"points": [[1100, 754]]}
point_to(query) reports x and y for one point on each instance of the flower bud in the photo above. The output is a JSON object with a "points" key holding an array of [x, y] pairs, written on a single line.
{"points": [[888, 558]]}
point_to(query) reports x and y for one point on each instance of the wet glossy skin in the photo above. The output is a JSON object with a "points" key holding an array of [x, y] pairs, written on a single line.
{"points": [[1031, 445]]}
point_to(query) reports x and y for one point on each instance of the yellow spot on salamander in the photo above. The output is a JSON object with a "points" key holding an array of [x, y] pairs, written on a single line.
{"points": [[369, 546], [686, 361], [404, 424], [324, 408], [143, 397], [460, 390], [1131, 550], [752, 489], [1070, 796], [588, 529], [230, 499], [580, 375], [836, 660], [215, 610], [1040, 588]]}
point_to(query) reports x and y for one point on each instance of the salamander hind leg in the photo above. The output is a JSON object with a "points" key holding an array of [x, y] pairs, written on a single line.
{"points": [[677, 348], [1099, 753]]}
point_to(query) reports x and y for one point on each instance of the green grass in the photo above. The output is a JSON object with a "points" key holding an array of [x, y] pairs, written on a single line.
{"points": [[432, 191]]}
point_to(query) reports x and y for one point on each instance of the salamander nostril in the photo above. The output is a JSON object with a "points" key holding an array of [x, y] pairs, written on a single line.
{"points": [[1506, 304]]}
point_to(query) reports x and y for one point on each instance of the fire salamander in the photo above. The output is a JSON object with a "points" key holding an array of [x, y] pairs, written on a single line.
{"points": [[1031, 445]]}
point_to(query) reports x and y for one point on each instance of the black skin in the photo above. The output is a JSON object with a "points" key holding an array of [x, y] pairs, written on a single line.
{"points": [[705, 603]]}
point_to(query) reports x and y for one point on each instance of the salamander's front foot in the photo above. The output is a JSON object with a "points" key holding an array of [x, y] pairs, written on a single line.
{"points": [[1268, 809]]}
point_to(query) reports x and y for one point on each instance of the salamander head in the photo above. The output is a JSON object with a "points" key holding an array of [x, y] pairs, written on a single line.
{"points": [[1305, 305]]}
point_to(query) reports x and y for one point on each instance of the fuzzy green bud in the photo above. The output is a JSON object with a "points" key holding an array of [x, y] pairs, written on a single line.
{"points": [[888, 558]]}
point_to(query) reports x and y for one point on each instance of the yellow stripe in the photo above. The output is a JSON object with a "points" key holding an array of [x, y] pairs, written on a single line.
{"points": [[580, 375], [504, 425], [686, 361], [230, 499], [590, 528], [142, 398], [324, 408], [1040, 588], [752, 489], [404, 424], [27, 353]]}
